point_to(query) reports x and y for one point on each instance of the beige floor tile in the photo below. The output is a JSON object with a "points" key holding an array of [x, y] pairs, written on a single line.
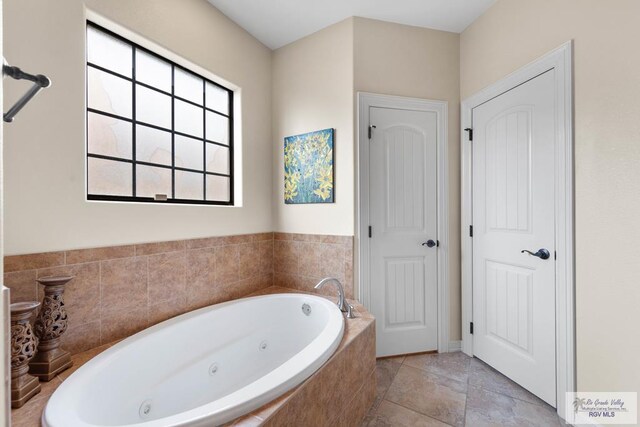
{"points": [[484, 376], [429, 394], [386, 370], [486, 408], [392, 415], [451, 365]]}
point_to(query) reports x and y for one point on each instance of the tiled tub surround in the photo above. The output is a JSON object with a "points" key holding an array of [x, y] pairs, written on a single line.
{"points": [[118, 291], [302, 260], [338, 394]]}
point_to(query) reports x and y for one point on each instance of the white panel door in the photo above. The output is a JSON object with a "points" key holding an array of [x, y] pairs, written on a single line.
{"points": [[513, 210], [402, 197]]}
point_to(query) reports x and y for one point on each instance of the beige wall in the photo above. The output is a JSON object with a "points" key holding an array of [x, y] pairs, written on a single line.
{"points": [[4, 292], [45, 207], [607, 159], [416, 62], [312, 90]]}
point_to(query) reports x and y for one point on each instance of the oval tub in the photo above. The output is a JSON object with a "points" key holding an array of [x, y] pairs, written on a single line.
{"points": [[202, 368]]}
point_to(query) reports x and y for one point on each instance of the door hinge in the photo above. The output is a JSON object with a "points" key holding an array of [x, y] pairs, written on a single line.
{"points": [[371, 130], [470, 131], [370, 231], [555, 255], [471, 231], [471, 328]]}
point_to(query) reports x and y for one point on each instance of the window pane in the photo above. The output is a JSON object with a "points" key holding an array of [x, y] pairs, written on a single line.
{"points": [[151, 181], [218, 188], [153, 71], [188, 86], [189, 119], [153, 107], [217, 159], [189, 185], [107, 177], [139, 104], [153, 145], [108, 136], [108, 52], [189, 153], [217, 128], [217, 98], [109, 93]]}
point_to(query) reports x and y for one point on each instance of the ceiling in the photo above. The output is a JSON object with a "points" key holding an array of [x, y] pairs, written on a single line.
{"points": [[279, 22]]}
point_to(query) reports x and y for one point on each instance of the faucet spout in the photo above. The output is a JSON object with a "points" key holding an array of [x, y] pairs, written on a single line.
{"points": [[342, 303]]}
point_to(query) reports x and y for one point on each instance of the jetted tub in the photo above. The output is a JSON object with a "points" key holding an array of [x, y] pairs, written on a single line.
{"points": [[202, 368]]}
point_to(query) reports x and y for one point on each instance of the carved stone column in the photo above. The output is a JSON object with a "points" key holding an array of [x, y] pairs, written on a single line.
{"points": [[23, 348], [49, 327]]}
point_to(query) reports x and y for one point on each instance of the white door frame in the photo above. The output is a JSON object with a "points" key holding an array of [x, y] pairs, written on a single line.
{"points": [[559, 59], [365, 101]]}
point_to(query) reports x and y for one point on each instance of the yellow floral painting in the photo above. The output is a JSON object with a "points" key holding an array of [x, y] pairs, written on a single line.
{"points": [[308, 167]]}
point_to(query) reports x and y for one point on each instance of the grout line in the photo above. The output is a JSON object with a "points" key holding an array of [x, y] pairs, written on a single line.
{"points": [[495, 372], [466, 394], [384, 395], [417, 412]]}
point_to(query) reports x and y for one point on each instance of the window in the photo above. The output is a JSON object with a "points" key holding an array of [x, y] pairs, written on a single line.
{"points": [[156, 131]]}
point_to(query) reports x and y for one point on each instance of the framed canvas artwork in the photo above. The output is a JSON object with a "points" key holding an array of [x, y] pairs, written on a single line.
{"points": [[308, 167]]}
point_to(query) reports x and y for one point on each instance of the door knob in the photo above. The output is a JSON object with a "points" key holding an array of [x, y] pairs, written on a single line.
{"points": [[542, 253], [430, 243]]}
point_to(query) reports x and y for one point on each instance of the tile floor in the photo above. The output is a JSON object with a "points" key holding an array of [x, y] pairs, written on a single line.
{"points": [[452, 389]]}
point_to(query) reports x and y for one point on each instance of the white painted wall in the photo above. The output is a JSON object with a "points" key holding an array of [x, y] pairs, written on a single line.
{"points": [[313, 90], [607, 158], [45, 207]]}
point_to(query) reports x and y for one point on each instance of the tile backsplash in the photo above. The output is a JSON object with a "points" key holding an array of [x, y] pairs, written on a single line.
{"points": [[120, 290], [302, 260]]}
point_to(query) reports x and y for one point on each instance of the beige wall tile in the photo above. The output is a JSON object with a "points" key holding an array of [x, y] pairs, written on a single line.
{"points": [[285, 256], [123, 323], [81, 337], [201, 277], [265, 249], [167, 276], [160, 247], [309, 259], [238, 239], [99, 254], [23, 285], [207, 242], [123, 284], [332, 261], [227, 264], [166, 279], [33, 261], [249, 260], [161, 311]]}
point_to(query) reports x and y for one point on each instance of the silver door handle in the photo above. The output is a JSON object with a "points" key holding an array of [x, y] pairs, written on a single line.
{"points": [[542, 253], [430, 243]]}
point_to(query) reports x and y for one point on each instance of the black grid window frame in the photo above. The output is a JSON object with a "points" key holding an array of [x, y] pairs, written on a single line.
{"points": [[134, 123]]}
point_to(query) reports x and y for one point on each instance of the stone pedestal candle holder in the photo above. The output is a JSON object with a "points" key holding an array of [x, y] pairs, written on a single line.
{"points": [[49, 327], [23, 348]]}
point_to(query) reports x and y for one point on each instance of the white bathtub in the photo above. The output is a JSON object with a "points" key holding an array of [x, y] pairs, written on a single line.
{"points": [[203, 368]]}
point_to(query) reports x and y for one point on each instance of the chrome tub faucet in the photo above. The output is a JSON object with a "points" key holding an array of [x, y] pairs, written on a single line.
{"points": [[342, 303]]}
